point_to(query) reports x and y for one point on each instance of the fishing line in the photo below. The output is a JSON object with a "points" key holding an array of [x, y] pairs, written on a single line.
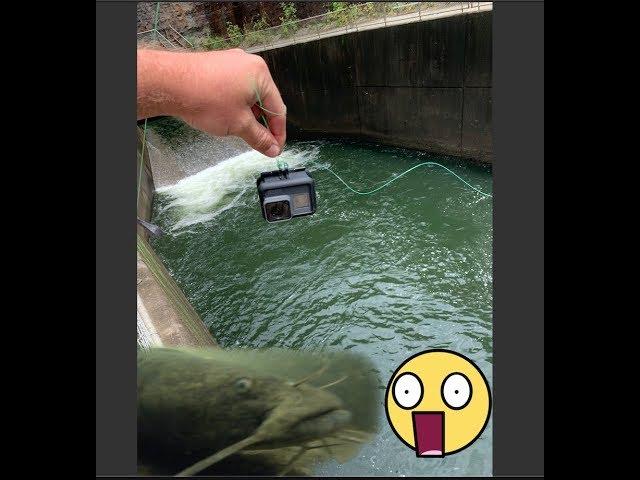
{"points": [[262, 107], [144, 142], [144, 130], [155, 22], [264, 119], [282, 165], [389, 182]]}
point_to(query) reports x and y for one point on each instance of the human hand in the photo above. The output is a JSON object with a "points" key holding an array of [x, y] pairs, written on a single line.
{"points": [[215, 92]]}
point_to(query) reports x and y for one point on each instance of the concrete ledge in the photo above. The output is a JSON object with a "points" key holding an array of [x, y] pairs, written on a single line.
{"points": [[146, 186], [421, 16], [164, 315]]}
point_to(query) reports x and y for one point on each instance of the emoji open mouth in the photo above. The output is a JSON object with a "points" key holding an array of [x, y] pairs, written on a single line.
{"points": [[428, 431]]}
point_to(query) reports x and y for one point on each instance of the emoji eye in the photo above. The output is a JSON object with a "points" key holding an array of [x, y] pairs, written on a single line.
{"points": [[456, 391], [407, 390], [242, 385]]}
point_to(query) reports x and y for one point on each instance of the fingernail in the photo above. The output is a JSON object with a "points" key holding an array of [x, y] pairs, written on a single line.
{"points": [[273, 150]]}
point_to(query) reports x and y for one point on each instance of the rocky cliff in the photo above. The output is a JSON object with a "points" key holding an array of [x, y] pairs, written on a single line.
{"points": [[192, 18]]}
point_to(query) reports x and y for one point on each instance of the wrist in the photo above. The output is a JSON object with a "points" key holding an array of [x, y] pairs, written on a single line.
{"points": [[160, 83]]}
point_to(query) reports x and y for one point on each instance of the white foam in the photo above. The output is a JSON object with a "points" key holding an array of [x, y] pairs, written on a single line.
{"points": [[201, 197]]}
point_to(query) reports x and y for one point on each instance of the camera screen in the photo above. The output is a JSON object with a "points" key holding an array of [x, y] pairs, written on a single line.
{"points": [[277, 211], [300, 200]]}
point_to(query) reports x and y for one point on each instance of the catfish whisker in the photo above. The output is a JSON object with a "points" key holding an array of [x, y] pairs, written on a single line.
{"points": [[288, 466], [358, 433], [317, 373], [351, 430], [219, 455], [326, 445], [304, 449], [349, 438], [335, 382]]}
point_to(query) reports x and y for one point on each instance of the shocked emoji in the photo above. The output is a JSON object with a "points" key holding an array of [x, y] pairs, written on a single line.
{"points": [[438, 402]]}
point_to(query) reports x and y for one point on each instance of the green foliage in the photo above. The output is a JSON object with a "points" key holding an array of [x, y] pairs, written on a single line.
{"points": [[214, 43], [367, 9], [342, 13], [289, 27], [260, 24], [255, 33], [401, 8], [234, 34], [195, 41], [337, 6]]}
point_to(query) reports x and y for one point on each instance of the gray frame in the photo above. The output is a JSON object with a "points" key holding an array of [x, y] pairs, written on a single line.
{"points": [[518, 114], [518, 238]]}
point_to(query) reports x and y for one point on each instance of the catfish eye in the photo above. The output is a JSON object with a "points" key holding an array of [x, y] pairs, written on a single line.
{"points": [[243, 385]]}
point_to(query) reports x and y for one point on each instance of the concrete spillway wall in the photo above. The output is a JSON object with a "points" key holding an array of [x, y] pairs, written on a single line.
{"points": [[164, 314], [424, 85]]}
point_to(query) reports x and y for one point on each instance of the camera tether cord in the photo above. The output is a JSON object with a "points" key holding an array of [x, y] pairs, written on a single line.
{"points": [[403, 174], [282, 165]]}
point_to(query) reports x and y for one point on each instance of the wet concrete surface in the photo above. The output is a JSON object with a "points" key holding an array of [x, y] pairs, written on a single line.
{"points": [[173, 160]]}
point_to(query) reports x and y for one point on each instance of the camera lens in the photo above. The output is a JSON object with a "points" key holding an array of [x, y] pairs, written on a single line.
{"points": [[277, 211]]}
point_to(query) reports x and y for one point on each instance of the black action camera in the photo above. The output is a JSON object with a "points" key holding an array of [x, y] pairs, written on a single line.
{"points": [[285, 194]]}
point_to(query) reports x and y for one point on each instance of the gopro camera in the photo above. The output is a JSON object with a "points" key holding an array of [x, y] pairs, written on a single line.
{"points": [[285, 194]]}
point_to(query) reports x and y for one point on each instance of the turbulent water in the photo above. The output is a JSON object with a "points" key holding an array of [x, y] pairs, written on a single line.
{"points": [[403, 270]]}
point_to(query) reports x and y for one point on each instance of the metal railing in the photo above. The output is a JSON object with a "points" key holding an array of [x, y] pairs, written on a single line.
{"points": [[352, 18]]}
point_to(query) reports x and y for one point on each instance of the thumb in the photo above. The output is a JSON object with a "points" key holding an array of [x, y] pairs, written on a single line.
{"points": [[259, 138]]}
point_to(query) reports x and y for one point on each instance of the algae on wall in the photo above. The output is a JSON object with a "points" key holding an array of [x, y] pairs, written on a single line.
{"points": [[165, 315]]}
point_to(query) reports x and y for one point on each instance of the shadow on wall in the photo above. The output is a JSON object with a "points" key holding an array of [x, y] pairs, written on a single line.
{"points": [[424, 85]]}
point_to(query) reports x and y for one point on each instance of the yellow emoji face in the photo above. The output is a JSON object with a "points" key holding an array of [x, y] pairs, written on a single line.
{"points": [[438, 402]]}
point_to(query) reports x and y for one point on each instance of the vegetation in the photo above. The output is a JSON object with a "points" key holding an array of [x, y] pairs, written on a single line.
{"points": [[234, 34], [288, 19], [255, 33], [342, 13], [213, 43], [339, 14]]}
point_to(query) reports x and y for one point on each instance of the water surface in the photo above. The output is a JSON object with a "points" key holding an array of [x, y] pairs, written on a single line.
{"points": [[406, 269]]}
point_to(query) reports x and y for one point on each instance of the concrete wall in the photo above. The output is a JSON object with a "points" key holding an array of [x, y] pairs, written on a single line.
{"points": [[424, 85], [146, 187], [164, 314]]}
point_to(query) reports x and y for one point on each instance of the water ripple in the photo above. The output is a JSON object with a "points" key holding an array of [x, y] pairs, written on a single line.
{"points": [[388, 275]]}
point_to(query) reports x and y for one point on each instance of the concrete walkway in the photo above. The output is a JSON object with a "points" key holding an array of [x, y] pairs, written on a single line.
{"points": [[164, 314], [163, 318]]}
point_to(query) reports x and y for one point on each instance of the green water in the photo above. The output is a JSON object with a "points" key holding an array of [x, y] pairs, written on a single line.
{"points": [[404, 270]]}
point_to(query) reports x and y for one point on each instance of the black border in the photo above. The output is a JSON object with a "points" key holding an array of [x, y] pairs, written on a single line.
{"points": [[518, 238], [116, 222]]}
